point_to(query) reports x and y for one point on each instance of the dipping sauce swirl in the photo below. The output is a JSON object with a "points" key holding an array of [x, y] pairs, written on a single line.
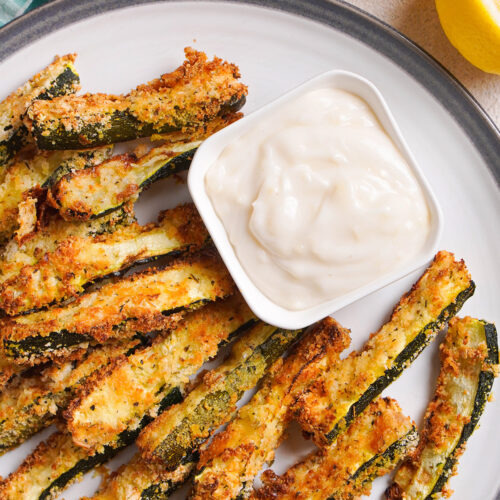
{"points": [[317, 200]]}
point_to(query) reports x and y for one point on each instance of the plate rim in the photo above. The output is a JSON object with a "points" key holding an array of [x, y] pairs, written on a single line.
{"points": [[466, 111]]}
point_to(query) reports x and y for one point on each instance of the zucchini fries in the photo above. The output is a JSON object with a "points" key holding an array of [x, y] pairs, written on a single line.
{"points": [[24, 177], [147, 301], [141, 480], [229, 464], [29, 404], [52, 466], [373, 445], [134, 387], [193, 94], [179, 431], [469, 363], [47, 238], [57, 79], [332, 402], [77, 262], [93, 192]]}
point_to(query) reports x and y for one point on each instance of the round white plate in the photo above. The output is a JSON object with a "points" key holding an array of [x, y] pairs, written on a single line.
{"points": [[276, 51]]}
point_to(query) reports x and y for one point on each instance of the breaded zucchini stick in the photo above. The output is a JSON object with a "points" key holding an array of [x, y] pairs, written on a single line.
{"points": [[179, 431], [96, 191], [133, 387], [372, 446], [52, 466], [46, 239], [58, 461], [194, 93], [144, 302], [141, 480], [469, 363], [57, 79], [77, 262], [29, 404], [344, 391], [21, 177], [229, 464]]}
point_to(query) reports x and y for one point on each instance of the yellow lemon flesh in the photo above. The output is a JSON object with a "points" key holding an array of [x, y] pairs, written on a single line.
{"points": [[473, 27]]}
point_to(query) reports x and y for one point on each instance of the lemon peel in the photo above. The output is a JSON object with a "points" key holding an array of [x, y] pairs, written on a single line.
{"points": [[473, 28]]}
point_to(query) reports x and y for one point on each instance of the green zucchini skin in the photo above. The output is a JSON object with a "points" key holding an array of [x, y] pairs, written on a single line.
{"points": [[66, 82], [152, 372], [72, 461], [378, 439], [55, 341], [234, 457], [370, 470], [35, 416], [83, 159], [29, 404], [78, 469], [93, 193], [177, 434], [139, 480], [9, 148], [143, 302], [77, 263], [469, 364], [122, 126], [179, 163], [404, 359], [484, 386], [330, 405], [32, 347], [162, 489]]}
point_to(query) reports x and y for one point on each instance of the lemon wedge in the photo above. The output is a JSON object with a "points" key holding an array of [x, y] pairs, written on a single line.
{"points": [[473, 27]]}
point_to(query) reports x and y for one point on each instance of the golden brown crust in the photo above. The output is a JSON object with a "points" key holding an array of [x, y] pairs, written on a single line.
{"points": [[132, 479], [213, 401], [194, 65], [83, 194], [463, 356], [330, 471], [235, 456], [30, 403], [50, 459], [135, 386], [329, 398], [77, 261], [23, 179], [86, 193], [133, 304], [193, 93], [50, 232], [81, 209], [8, 369], [15, 105], [196, 79]]}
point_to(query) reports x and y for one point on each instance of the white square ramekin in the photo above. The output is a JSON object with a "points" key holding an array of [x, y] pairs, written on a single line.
{"points": [[209, 151]]}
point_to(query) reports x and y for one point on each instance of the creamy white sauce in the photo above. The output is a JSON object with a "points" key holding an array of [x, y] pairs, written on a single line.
{"points": [[317, 200]]}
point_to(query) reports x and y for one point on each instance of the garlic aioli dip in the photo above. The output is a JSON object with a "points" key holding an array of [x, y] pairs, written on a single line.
{"points": [[317, 200]]}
